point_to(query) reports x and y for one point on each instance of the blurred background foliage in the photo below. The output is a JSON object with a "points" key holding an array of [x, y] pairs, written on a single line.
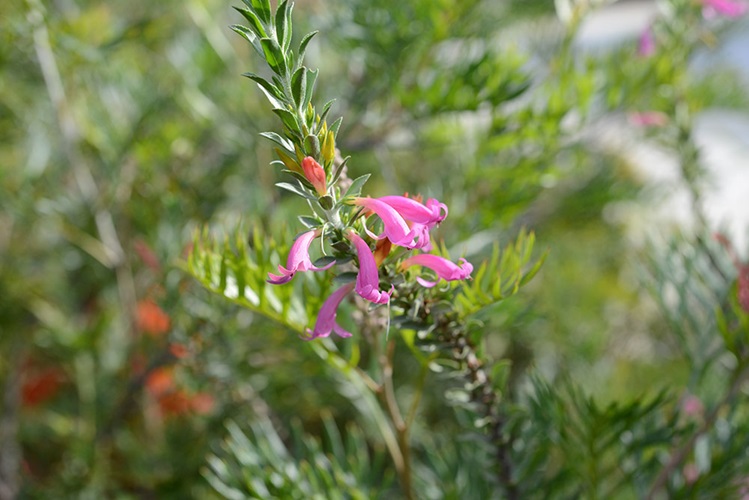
{"points": [[126, 127]]}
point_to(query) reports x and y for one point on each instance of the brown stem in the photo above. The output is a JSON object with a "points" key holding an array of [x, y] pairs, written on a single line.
{"points": [[401, 429]]}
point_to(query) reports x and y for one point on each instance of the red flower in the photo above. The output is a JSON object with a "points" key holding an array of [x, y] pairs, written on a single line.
{"points": [[151, 319], [40, 386]]}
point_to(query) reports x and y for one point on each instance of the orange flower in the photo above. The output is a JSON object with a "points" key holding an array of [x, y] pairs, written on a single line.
{"points": [[174, 403], [151, 319], [160, 381], [179, 351], [202, 403]]}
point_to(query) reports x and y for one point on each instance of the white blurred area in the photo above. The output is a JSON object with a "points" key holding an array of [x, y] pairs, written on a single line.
{"points": [[721, 134]]}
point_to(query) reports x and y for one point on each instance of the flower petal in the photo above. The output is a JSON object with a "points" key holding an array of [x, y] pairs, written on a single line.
{"points": [[396, 228], [411, 210], [368, 280], [298, 259], [445, 269], [326, 318]]}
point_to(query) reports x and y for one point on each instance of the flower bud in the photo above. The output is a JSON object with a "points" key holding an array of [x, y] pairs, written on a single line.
{"points": [[315, 174]]}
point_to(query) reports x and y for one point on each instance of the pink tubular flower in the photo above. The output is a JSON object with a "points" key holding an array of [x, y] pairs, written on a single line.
{"points": [[326, 318], [315, 174], [298, 259], [396, 228], [646, 44], [444, 268], [728, 8], [411, 210], [368, 281], [648, 119]]}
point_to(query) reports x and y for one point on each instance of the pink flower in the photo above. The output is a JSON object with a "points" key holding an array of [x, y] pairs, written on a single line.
{"points": [[396, 227], [692, 405], [315, 174], [326, 318], [410, 209], [444, 268], [298, 259], [368, 281], [648, 119], [728, 8], [646, 45]]}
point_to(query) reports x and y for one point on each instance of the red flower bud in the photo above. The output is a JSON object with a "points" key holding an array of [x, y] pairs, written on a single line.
{"points": [[315, 174]]}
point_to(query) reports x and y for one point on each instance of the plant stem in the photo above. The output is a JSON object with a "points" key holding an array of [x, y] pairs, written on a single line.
{"points": [[401, 429]]}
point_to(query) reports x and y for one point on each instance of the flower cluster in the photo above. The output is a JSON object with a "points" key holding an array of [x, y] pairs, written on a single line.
{"points": [[405, 222]]}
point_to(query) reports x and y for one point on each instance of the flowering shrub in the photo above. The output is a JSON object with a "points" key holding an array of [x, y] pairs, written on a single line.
{"points": [[445, 355]]}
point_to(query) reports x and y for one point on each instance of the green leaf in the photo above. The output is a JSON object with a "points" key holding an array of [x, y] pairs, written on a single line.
{"points": [[288, 119], [281, 141], [309, 87], [339, 170], [325, 111], [343, 278], [299, 86], [283, 24], [248, 35], [309, 222], [326, 202], [273, 55], [255, 25], [296, 189], [303, 45], [323, 261], [272, 92], [336, 125], [301, 178], [261, 8], [356, 186]]}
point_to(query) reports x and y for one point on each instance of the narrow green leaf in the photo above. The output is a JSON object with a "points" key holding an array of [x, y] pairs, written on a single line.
{"points": [[281, 141], [272, 92], [343, 278], [261, 7], [300, 177], [280, 21], [309, 88], [273, 55], [248, 35], [303, 45], [309, 222], [296, 189], [255, 25], [299, 86], [336, 125], [323, 261], [325, 111], [288, 119], [286, 42], [339, 170], [356, 186]]}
